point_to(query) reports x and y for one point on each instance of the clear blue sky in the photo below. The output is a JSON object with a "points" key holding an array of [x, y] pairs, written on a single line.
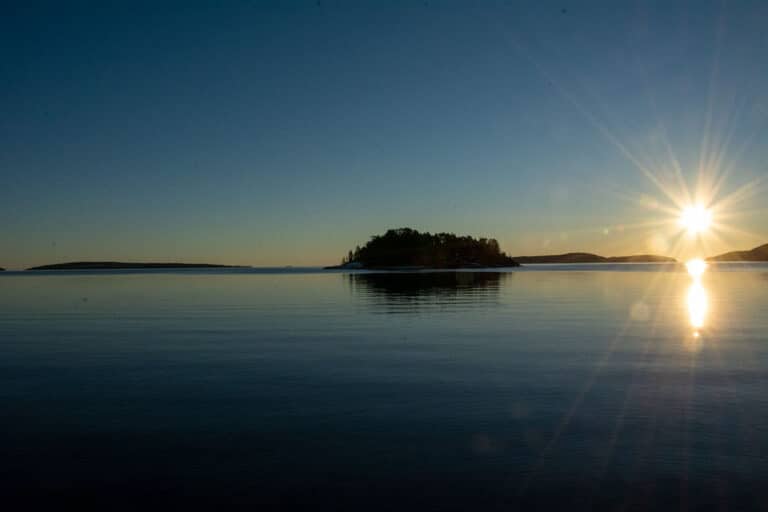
{"points": [[285, 133]]}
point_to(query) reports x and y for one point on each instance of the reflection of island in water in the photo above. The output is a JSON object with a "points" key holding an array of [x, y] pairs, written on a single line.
{"points": [[428, 288]]}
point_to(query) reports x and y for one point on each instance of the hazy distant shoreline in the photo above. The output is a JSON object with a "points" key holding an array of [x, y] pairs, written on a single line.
{"points": [[115, 265], [585, 257]]}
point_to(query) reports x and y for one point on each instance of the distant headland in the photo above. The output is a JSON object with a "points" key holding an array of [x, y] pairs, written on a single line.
{"points": [[586, 257], [757, 254], [117, 265], [408, 249]]}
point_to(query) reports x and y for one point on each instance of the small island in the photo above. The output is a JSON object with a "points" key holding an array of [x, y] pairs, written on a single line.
{"points": [[119, 265], [586, 257], [409, 249], [757, 254]]}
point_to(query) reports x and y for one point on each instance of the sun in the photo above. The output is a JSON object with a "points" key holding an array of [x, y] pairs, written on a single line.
{"points": [[696, 219]]}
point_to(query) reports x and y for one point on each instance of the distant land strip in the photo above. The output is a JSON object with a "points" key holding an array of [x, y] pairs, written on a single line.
{"points": [[113, 265], [586, 257]]}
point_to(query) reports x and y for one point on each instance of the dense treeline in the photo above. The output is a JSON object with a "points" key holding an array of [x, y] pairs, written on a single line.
{"points": [[408, 247]]}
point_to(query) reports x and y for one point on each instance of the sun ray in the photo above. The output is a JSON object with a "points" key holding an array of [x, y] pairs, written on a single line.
{"points": [[715, 239], [734, 161], [742, 232], [698, 211], [641, 202], [600, 126], [743, 193], [736, 214]]}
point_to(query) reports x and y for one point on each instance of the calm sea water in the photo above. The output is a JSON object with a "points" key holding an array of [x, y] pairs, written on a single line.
{"points": [[576, 386]]}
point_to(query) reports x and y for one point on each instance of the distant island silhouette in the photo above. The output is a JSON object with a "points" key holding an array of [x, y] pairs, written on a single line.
{"points": [[586, 257], [757, 254], [409, 249], [406, 249], [113, 265]]}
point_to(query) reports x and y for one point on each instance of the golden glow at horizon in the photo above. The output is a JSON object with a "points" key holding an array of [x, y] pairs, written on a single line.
{"points": [[697, 300]]}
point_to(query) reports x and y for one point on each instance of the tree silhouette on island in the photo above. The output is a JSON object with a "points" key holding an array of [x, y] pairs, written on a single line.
{"points": [[405, 248]]}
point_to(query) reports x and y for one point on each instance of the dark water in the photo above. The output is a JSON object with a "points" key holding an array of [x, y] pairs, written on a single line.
{"points": [[557, 387]]}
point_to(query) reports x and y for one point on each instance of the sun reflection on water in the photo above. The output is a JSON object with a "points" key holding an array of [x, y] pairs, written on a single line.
{"points": [[697, 305], [696, 268], [697, 300]]}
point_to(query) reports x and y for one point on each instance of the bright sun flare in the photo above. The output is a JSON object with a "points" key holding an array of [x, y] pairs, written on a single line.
{"points": [[696, 219]]}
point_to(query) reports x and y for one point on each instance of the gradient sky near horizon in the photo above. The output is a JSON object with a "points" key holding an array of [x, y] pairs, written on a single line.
{"points": [[285, 133]]}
